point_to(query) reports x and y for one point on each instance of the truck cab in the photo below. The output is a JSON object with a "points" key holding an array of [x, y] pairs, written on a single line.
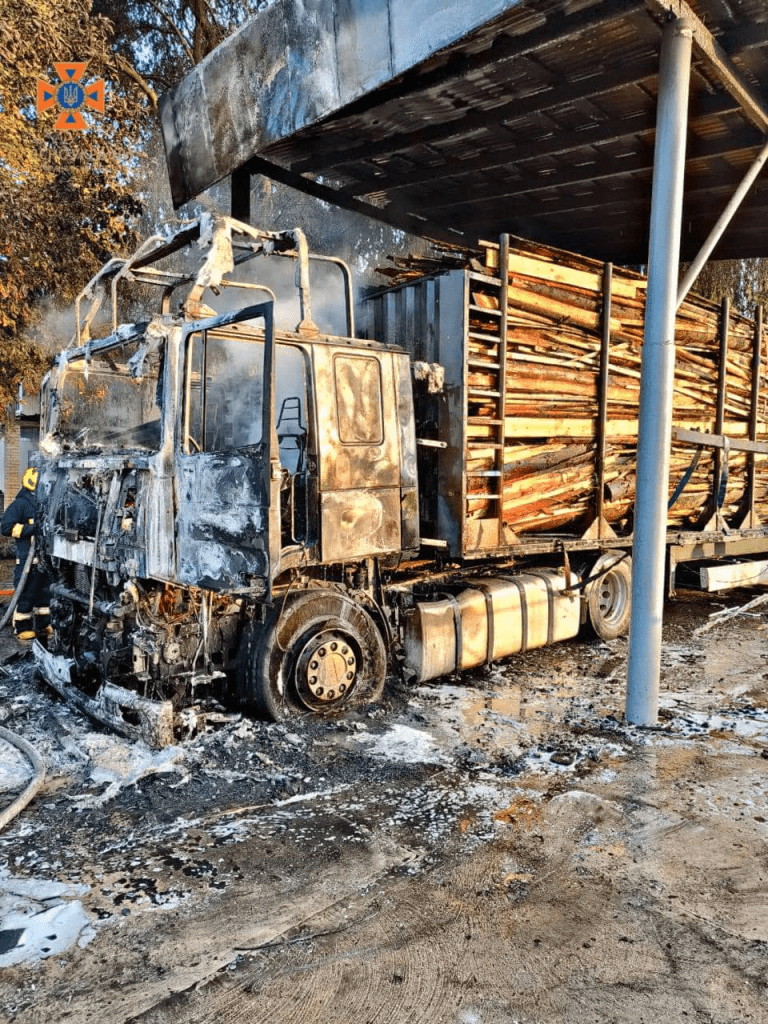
{"points": [[195, 465]]}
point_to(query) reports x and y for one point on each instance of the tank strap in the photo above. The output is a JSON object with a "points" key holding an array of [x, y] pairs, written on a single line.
{"points": [[523, 606], [550, 603], [487, 593], [456, 608]]}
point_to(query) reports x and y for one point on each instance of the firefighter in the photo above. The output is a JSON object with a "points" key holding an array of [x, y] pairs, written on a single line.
{"points": [[32, 615]]}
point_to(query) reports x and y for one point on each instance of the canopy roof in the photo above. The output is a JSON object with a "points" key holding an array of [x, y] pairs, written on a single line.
{"points": [[461, 120]]}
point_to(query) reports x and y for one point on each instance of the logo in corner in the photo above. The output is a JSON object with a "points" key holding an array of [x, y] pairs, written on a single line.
{"points": [[70, 96]]}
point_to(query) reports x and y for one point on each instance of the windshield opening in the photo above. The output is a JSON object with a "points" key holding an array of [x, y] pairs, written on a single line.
{"points": [[112, 400]]}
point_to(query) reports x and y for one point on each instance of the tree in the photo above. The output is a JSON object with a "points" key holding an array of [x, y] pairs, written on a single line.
{"points": [[156, 43], [67, 204], [69, 199]]}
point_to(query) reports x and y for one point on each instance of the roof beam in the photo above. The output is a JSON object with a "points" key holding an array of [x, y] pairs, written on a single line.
{"points": [[748, 37], [601, 167], [326, 152], [600, 133], [706, 46], [589, 211], [403, 221], [610, 130]]}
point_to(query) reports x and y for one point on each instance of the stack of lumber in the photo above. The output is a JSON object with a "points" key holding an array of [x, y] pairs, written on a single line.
{"points": [[410, 267], [555, 310]]}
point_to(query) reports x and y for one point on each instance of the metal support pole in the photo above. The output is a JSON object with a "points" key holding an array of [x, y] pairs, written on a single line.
{"points": [[240, 195], [723, 221], [657, 377]]}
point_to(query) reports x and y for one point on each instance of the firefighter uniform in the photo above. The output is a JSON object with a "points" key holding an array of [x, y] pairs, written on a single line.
{"points": [[32, 615]]}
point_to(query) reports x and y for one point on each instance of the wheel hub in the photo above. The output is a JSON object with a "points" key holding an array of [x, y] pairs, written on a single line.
{"points": [[327, 670], [612, 597]]}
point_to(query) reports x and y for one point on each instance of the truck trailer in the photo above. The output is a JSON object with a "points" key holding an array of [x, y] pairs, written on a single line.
{"points": [[233, 513]]}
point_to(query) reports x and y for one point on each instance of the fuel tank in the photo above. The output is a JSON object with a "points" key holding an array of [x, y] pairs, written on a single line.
{"points": [[491, 618]]}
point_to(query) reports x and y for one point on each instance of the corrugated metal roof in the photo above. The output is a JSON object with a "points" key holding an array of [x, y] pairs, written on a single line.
{"points": [[537, 119]]}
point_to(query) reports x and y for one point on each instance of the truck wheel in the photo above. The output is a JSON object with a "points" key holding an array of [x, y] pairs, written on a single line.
{"points": [[609, 598], [318, 653]]}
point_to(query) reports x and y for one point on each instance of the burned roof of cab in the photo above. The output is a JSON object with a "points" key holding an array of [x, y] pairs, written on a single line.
{"points": [[459, 120]]}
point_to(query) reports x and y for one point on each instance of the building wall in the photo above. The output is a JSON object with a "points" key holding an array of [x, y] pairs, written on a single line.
{"points": [[11, 475], [18, 444]]}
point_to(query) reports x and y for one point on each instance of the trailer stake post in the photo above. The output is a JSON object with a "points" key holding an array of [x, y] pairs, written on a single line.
{"points": [[657, 377], [750, 521], [602, 413], [240, 195]]}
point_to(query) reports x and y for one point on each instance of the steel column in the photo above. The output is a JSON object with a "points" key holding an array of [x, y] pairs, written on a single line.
{"points": [[240, 195], [657, 377]]}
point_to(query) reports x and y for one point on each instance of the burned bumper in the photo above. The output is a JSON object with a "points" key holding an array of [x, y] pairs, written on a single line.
{"points": [[122, 710]]}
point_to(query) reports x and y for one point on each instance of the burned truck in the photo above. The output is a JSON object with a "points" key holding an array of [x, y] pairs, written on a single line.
{"points": [[232, 512]]}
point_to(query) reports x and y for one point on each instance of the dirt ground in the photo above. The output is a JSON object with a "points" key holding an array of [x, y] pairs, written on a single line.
{"points": [[490, 850]]}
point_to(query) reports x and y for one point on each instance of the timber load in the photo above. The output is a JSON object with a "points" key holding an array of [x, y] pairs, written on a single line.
{"points": [[558, 305], [534, 438]]}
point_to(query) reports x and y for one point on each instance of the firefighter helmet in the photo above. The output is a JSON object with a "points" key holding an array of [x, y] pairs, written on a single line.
{"points": [[29, 480]]}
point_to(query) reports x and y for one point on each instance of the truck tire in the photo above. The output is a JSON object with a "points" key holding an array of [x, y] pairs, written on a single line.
{"points": [[609, 598], [318, 653]]}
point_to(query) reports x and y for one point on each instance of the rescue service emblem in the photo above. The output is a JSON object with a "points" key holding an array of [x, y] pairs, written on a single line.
{"points": [[70, 96]]}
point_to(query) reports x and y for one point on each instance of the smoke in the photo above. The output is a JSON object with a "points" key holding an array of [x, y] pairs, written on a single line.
{"points": [[54, 326], [278, 273]]}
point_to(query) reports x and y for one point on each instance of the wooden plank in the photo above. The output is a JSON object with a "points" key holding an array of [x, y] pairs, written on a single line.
{"points": [[692, 431], [559, 274], [563, 312]]}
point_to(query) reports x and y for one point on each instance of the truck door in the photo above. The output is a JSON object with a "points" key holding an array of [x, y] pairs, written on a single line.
{"points": [[229, 478], [359, 446]]}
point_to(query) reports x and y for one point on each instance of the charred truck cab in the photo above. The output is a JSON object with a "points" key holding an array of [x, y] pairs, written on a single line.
{"points": [[216, 497]]}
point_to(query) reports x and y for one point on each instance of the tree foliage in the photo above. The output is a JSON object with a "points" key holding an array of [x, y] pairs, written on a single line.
{"points": [[67, 204], [744, 282], [69, 196]]}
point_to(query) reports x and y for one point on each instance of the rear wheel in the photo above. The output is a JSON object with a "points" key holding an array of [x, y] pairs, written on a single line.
{"points": [[319, 653], [609, 597]]}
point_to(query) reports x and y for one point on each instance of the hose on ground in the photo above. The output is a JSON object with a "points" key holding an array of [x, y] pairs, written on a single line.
{"points": [[20, 589], [38, 766]]}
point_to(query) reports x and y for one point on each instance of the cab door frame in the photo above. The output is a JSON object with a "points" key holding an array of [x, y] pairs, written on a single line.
{"points": [[215, 548]]}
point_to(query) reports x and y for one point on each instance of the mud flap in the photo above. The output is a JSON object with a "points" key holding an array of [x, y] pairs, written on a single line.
{"points": [[123, 710]]}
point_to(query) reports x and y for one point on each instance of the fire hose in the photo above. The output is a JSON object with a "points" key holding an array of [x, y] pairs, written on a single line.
{"points": [[20, 588], [38, 767], [27, 749]]}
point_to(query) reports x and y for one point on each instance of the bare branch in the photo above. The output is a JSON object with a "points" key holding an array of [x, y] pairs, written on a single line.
{"points": [[174, 28], [133, 74]]}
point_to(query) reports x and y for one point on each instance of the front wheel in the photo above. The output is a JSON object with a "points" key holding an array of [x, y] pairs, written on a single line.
{"points": [[318, 653], [609, 596]]}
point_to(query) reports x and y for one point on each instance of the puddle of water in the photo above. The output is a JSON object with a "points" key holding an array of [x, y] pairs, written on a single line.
{"points": [[502, 720]]}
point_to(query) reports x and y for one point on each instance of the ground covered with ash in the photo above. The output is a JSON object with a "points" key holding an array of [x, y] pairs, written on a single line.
{"points": [[499, 847]]}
